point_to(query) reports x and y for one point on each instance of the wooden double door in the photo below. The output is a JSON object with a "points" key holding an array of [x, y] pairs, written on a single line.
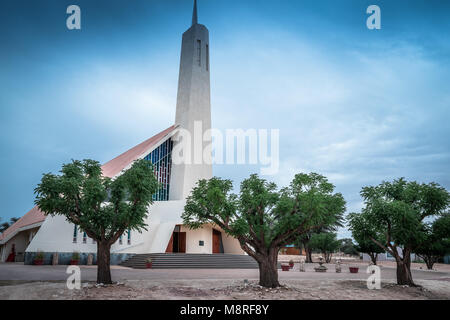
{"points": [[177, 243], [217, 242]]}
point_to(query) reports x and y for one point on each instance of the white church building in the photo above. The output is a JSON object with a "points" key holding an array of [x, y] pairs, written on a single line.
{"points": [[166, 233]]}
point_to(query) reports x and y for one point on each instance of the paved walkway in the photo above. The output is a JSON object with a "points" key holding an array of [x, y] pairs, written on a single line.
{"points": [[20, 272]]}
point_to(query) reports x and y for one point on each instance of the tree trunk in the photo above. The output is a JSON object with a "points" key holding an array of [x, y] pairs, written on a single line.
{"points": [[373, 257], [103, 262], [268, 270], [308, 253], [430, 262], [404, 276]]}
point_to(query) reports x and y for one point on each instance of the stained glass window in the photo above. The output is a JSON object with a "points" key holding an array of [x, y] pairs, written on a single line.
{"points": [[161, 158]]}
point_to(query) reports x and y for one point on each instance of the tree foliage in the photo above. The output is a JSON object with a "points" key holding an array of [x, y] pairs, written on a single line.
{"points": [[348, 247], [262, 218], [393, 218], [303, 239], [326, 243], [364, 236], [435, 243], [101, 207], [7, 224]]}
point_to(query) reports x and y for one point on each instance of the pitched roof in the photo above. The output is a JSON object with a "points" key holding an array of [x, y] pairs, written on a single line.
{"points": [[116, 165], [110, 169], [33, 216]]}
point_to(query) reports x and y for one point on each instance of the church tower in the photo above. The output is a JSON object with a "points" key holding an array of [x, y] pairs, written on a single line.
{"points": [[165, 230], [193, 111]]}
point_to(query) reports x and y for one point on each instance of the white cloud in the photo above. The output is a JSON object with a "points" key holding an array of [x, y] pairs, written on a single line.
{"points": [[356, 116], [358, 120]]}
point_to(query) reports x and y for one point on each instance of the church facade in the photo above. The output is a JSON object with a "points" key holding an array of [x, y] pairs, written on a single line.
{"points": [[166, 232]]}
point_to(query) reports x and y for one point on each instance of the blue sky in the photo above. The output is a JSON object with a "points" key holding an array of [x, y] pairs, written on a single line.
{"points": [[356, 105]]}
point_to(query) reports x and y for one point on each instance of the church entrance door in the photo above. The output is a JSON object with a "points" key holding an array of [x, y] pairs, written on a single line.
{"points": [[217, 237], [177, 243]]}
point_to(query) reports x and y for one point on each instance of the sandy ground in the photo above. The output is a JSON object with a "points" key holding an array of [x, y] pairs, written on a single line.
{"points": [[228, 290], [22, 282], [357, 262], [28, 273]]}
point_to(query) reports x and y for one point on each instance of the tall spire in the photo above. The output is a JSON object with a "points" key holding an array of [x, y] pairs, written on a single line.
{"points": [[194, 15], [193, 112]]}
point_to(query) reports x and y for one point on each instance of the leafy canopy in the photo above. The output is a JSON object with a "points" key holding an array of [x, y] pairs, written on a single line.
{"points": [[394, 212], [5, 225], [324, 242], [436, 239], [102, 207], [260, 216], [348, 247], [363, 235]]}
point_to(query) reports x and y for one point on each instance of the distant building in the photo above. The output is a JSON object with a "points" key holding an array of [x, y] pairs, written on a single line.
{"points": [[388, 257], [15, 240], [292, 250]]}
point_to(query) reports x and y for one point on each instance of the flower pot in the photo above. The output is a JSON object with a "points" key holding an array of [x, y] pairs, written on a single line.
{"points": [[285, 267], [354, 269], [74, 262], [149, 265], [38, 262]]}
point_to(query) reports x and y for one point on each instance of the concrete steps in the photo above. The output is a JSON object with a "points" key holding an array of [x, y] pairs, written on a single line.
{"points": [[191, 261]]}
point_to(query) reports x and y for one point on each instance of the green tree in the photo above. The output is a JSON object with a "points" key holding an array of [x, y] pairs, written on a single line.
{"points": [[363, 237], [371, 249], [303, 240], [101, 207], [395, 211], [326, 243], [6, 225], [436, 241], [348, 247], [262, 218]]}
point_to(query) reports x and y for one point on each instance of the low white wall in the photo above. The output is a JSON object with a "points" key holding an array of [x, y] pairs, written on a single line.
{"points": [[56, 235], [163, 218], [231, 245], [193, 238]]}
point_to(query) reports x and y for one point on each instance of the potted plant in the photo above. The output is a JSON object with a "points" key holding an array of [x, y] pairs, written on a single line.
{"points": [[285, 267], [149, 263], [354, 269], [39, 259], [291, 263], [75, 258]]}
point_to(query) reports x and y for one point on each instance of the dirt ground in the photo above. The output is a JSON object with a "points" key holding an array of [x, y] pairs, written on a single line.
{"points": [[19, 282], [352, 260], [227, 290]]}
